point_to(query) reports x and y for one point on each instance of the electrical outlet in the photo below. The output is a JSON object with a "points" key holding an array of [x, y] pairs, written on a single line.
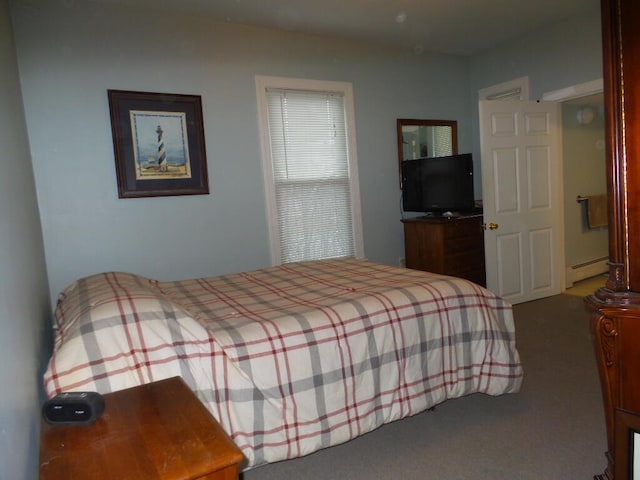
{"points": [[402, 262]]}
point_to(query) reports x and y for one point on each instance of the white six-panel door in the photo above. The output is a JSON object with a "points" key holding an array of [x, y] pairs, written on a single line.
{"points": [[522, 192]]}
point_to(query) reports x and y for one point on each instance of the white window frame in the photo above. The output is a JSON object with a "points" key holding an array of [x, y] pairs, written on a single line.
{"points": [[517, 89], [263, 83]]}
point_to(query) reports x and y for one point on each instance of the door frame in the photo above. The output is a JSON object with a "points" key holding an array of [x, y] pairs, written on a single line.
{"points": [[516, 89], [568, 93], [574, 91]]}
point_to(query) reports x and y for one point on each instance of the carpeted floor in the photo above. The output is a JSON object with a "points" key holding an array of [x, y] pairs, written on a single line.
{"points": [[553, 429], [587, 286]]}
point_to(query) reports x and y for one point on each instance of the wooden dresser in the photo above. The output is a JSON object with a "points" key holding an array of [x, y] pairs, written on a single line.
{"points": [[156, 431], [450, 246]]}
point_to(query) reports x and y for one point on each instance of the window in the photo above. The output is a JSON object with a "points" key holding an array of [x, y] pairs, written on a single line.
{"points": [[310, 173], [441, 141]]}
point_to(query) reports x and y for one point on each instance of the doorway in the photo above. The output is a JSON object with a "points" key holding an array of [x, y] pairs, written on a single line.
{"points": [[584, 178], [584, 175], [522, 198], [586, 238]]}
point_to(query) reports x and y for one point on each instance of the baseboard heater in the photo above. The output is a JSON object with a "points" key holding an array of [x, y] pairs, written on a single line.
{"points": [[589, 269]]}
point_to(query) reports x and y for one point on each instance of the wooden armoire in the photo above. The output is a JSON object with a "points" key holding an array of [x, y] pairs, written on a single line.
{"points": [[615, 309]]}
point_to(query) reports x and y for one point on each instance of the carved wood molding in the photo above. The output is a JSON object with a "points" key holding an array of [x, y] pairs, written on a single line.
{"points": [[616, 280], [607, 333], [604, 333], [613, 315], [615, 309]]}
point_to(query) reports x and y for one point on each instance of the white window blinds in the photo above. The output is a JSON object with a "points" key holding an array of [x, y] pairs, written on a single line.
{"points": [[311, 174], [442, 145]]}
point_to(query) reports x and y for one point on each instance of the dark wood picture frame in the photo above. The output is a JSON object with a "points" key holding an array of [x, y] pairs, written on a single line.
{"points": [[158, 142], [627, 444]]}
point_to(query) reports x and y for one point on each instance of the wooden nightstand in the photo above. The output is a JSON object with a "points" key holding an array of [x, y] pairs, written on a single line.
{"points": [[156, 431]]}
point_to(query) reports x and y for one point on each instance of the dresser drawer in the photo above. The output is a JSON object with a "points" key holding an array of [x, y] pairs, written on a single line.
{"points": [[449, 246]]}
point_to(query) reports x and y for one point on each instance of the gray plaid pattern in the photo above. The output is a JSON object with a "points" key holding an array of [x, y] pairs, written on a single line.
{"points": [[293, 358]]}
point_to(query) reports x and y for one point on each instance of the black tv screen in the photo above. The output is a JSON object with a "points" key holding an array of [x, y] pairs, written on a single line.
{"points": [[438, 184]]}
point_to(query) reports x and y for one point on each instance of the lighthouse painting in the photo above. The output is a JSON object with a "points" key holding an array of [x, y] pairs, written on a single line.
{"points": [[161, 149], [158, 144]]}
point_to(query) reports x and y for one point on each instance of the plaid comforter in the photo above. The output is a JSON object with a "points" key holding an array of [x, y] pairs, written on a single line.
{"points": [[293, 358]]}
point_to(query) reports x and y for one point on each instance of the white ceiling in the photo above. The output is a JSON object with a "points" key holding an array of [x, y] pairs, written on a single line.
{"points": [[448, 26]]}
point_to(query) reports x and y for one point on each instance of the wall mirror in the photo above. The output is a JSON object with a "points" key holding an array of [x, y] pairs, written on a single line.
{"points": [[425, 138]]}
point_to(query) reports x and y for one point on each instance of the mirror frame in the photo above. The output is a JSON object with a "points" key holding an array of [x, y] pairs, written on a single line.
{"points": [[405, 122]]}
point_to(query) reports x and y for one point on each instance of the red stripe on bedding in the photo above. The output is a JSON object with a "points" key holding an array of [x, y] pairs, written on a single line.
{"points": [[294, 358]]}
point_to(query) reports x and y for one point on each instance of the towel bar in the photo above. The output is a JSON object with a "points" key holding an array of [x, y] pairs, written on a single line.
{"points": [[596, 209]]}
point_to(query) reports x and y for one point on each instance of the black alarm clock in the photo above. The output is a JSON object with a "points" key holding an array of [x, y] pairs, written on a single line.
{"points": [[73, 408]]}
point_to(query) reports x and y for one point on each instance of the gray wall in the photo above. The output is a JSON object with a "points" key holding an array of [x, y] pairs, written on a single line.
{"points": [[24, 297], [70, 55], [584, 174], [560, 55]]}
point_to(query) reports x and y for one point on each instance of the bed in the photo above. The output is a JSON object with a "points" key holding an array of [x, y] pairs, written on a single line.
{"points": [[293, 358]]}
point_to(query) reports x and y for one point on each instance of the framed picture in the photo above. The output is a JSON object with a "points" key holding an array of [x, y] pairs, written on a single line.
{"points": [[158, 141], [627, 445]]}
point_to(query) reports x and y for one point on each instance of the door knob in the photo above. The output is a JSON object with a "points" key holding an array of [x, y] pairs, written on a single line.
{"points": [[492, 226]]}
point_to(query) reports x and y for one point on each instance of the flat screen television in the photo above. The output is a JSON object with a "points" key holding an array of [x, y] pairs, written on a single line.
{"points": [[438, 185]]}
